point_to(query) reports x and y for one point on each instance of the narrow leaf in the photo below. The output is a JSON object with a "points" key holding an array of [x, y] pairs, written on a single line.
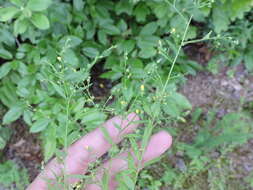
{"points": [[149, 29], [39, 125], [8, 13], [59, 90], [4, 69], [40, 21], [5, 54], [20, 26], [17, 2], [12, 115], [38, 5]]}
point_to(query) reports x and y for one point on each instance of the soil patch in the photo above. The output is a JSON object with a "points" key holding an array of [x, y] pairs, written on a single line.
{"points": [[24, 149]]}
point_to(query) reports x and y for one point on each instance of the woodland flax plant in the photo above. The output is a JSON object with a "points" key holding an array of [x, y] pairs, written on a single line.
{"points": [[129, 176]]}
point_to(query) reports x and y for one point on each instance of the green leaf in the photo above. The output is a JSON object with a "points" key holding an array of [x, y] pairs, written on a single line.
{"points": [[27, 13], [5, 134], [141, 11], [178, 23], [39, 125], [102, 37], [135, 63], [238, 8], [136, 148], [122, 25], [50, 142], [78, 4], [220, 19], [27, 117], [8, 13], [124, 7], [93, 118], [7, 37], [59, 90], [111, 29], [76, 77], [79, 105], [128, 91], [107, 135], [161, 10], [149, 29], [192, 33], [70, 58], [147, 52], [113, 75], [90, 52], [17, 2], [8, 94], [2, 143], [147, 41], [49, 148], [38, 5], [12, 115], [181, 101], [171, 108], [126, 46], [70, 40], [248, 61], [5, 69], [40, 21], [129, 182], [146, 135], [196, 115], [5, 54], [213, 65], [156, 109], [20, 26], [90, 30]]}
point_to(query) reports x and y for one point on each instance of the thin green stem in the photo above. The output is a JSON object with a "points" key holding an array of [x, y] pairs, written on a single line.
{"points": [[201, 40], [153, 119], [177, 54], [66, 133]]}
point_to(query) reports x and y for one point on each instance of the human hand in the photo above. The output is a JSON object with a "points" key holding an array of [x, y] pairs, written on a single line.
{"points": [[79, 155]]}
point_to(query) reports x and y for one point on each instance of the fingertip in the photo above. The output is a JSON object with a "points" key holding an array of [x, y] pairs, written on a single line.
{"points": [[133, 117], [161, 141], [165, 138], [92, 187], [158, 144]]}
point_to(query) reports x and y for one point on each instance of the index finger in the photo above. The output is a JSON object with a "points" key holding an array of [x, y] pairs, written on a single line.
{"points": [[78, 154]]}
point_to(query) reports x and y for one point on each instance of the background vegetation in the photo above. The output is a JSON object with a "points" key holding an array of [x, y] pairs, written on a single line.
{"points": [[68, 65]]}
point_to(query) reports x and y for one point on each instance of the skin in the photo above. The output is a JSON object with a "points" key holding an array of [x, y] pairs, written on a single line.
{"points": [[93, 145]]}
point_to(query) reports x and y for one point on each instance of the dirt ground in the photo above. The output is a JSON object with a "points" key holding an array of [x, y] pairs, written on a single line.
{"points": [[24, 149], [226, 94]]}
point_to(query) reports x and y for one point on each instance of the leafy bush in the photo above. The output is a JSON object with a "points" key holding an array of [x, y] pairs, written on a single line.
{"points": [[234, 18], [49, 70], [224, 12]]}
